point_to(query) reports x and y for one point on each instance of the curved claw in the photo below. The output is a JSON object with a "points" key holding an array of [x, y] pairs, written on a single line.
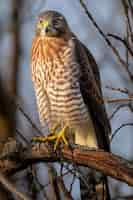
{"points": [[61, 136]]}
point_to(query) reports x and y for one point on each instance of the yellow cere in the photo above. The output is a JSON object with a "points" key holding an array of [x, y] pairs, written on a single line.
{"points": [[42, 24]]}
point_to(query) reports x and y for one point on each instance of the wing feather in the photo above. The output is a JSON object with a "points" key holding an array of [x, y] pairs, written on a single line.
{"points": [[90, 85]]}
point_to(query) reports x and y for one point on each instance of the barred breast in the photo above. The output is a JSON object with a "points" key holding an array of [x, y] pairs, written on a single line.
{"points": [[55, 74], [66, 102]]}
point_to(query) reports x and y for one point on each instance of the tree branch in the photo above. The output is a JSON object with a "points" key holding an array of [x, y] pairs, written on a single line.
{"points": [[10, 187], [108, 163]]}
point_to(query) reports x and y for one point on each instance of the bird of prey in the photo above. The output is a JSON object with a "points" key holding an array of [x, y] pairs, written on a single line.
{"points": [[67, 83]]}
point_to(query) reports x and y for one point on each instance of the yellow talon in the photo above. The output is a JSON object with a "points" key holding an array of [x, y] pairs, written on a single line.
{"points": [[44, 139], [53, 136], [61, 135], [50, 137]]}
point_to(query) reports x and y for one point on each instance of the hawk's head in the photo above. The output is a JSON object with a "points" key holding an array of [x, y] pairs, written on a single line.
{"points": [[52, 24]]}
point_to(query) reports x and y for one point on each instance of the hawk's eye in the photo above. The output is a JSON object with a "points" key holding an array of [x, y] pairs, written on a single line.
{"points": [[43, 23]]}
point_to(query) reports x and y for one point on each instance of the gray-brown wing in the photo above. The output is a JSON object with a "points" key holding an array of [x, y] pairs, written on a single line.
{"points": [[90, 86]]}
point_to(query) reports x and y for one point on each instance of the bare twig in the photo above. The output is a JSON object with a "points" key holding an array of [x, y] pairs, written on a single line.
{"points": [[125, 42], [19, 107], [71, 186], [123, 63], [41, 186], [119, 197], [122, 90], [117, 109], [52, 177], [16, 44], [62, 188], [128, 100], [131, 8], [126, 10], [119, 100], [118, 129], [22, 136]]}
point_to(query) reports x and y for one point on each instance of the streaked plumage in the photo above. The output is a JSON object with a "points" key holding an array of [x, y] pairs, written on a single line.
{"points": [[67, 82]]}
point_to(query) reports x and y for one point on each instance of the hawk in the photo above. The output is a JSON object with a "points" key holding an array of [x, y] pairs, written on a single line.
{"points": [[67, 83]]}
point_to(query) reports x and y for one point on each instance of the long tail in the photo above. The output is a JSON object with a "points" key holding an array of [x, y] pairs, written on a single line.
{"points": [[93, 185]]}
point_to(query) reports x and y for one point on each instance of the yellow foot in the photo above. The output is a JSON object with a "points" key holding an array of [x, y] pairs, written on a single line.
{"points": [[53, 136], [44, 138], [61, 136], [50, 137]]}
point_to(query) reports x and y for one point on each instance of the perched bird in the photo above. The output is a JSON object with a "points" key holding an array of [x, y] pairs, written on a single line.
{"points": [[67, 84]]}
